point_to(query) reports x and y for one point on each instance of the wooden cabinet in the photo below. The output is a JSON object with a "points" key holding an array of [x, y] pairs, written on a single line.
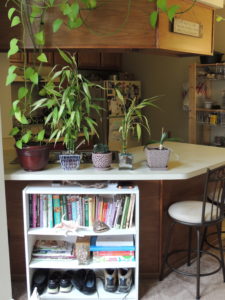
{"points": [[207, 104], [116, 25], [196, 21]]}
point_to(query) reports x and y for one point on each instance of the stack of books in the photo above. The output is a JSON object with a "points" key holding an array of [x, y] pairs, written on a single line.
{"points": [[53, 249], [113, 248]]}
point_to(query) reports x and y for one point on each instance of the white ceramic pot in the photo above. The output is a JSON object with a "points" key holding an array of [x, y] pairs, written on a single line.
{"points": [[102, 160], [157, 158]]}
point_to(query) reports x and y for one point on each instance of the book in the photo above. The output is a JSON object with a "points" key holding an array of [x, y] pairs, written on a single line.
{"points": [[41, 210], [125, 212], [64, 207], [112, 258], [44, 199], [56, 209], [113, 253], [50, 211], [115, 240], [131, 211], [73, 200], [30, 202], [34, 210], [93, 246], [86, 211], [69, 207], [38, 211], [53, 245], [119, 213]]}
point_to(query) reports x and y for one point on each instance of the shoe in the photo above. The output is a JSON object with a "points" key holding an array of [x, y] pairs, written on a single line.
{"points": [[39, 280], [89, 286], [124, 280], [78, 279], [65, 284], [110, 280], [53, 282]]}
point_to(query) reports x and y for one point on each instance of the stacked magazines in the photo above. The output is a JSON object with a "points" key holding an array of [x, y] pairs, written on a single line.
{"points": [[53, 249], [113, 248]]}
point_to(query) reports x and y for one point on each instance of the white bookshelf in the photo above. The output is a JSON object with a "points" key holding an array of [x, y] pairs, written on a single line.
{"points": [[32, 234]]}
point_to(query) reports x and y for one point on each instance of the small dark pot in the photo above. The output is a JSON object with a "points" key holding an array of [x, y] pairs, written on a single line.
{"points": [[33, 158], [157, 158], [102, 160]]}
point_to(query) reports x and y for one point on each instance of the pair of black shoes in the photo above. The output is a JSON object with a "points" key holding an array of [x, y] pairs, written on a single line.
{"points": [[40, 280], [58, 281], [85, 281]]}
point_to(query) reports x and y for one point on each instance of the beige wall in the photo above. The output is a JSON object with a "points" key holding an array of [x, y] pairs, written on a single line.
{"points": [[5, 101], [162, 75]]}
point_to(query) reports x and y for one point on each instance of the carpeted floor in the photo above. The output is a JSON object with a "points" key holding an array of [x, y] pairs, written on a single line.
{"points": [[173, 287]]}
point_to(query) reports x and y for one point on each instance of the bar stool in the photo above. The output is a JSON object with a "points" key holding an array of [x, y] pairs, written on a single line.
{"points": [[199, 215]]}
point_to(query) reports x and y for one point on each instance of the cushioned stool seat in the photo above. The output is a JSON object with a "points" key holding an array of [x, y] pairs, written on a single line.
{"points": [[191, 211]]}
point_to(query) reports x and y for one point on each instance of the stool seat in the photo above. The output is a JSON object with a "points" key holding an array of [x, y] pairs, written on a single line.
{"points": [[191, 211]]}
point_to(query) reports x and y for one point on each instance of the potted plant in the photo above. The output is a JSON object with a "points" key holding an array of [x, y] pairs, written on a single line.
{"points": [[67, 97], [158, 157], [101, 157], [133, 121]]}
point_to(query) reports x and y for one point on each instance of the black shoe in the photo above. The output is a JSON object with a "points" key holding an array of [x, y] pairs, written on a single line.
{"points": [[53, 282], [65, 282], [39, 280], [78, 279], [89, 283]]}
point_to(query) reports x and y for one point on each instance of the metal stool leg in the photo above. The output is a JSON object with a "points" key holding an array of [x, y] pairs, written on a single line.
{"points": [[168, 239], [198, 265], [203, 239], [218, 227], [189, 246]]}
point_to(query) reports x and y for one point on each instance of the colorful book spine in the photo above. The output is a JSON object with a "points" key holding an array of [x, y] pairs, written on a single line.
{"points": [[56, 209], [30, 199], [125, 212], [38, 211], [69, 207], [41, 210], [44, 199], [34, 210], [64, 207], [132, 212], [50, 212], [73, 200], [113, 258], [113, 253], [86, 211], [120, 212], [104, 211]]}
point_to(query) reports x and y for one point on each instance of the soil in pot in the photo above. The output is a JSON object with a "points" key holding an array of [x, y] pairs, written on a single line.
{"points": [[157, 158], [34, 157]]}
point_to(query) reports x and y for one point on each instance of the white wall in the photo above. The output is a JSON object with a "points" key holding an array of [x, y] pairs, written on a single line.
{"points": [[162, 75]]}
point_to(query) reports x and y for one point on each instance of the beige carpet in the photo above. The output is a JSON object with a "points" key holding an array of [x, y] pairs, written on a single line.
{"points": [[173, 287]]}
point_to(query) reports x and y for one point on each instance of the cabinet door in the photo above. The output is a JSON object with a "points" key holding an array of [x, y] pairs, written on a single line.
{"points": [[88, 59], [184, 42], [17, 59], [111, 61]]}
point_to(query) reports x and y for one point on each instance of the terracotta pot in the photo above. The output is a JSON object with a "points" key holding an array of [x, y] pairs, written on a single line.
{"points": [[157, 158], [102, 160], [33, 158]]}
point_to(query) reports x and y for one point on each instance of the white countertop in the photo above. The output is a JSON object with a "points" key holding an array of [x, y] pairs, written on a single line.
{"points": [[186, 161]]}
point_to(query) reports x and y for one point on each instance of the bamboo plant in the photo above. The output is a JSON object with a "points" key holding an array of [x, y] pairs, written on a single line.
{"points": [[69, 103], [133, 117]]}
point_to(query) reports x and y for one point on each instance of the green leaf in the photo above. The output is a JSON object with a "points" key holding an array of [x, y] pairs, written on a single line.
{"points": [[38, 104], [86, 133], [57, 24], [86, 89], [40, 38], [19, 144], [13, 47], [22, 92], [10, 78], [34, 78], [62, 107], [14, 131], [138, 128], [65, 57], [172, 12], [21, 118], [12, 69], [42, 92], [162, 5], [74, 11], [66, 9], [75, 24], [10, 12], [51, 2], [15, 21], [42, 58], [219, 18], [29, 72], [14, 105], [153, 18], [27, 136], [41, 135]]}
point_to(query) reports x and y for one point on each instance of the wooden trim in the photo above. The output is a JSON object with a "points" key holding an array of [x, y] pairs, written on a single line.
{"points": [[192, 135]]}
